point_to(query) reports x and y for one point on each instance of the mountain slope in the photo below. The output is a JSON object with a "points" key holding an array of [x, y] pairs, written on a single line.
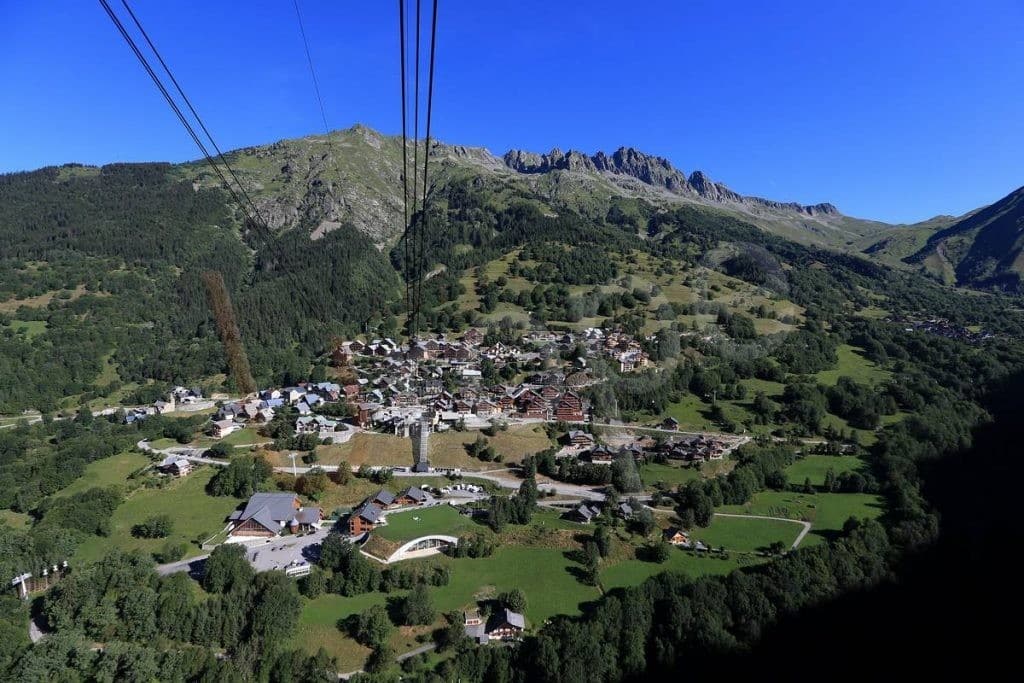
{"points": [[983, 249], [317, 183]]}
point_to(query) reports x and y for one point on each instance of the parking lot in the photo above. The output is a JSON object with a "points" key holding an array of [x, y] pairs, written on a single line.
{"points": [[280, 553]]}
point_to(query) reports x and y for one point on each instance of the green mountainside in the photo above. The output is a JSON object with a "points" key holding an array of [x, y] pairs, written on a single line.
{"points": [[319, 182], [100, 291], [984, 249]]}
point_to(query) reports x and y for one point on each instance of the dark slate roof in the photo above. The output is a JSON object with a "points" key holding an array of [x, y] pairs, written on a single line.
{"points": [[509, 617], [416, 494], [384, 497], [371, 513], [308, 515], [280, 506]]}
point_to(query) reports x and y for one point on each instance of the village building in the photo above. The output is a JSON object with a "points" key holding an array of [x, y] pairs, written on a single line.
{"points": [[269, 514], [175, 465], [222, 428], [364, 519], [583, 513], [580, 438], [677, 536]]}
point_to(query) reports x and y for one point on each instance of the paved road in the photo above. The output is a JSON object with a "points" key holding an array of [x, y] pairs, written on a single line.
{"points": [[187, 452], [188, 565], [799, 539]]}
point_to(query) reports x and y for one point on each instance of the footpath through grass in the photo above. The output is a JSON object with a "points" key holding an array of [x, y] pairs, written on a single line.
{"points": [[747, 535], [827, 512]]}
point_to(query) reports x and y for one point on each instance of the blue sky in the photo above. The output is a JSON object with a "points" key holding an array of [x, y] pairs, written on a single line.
{"points": [[891, 110]]}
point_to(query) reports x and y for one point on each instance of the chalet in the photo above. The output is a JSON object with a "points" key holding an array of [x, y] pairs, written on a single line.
{"points": [[329, 391], [164, 406], [341, 356], [175, 465], [364, 518], [569, 408], [473, 337], [601, 455], [485, 408], [383, 500], [463, 407], [583, 513], [535, 408], [677, 537], [268, 514], [357, 346], [412, 496], [505, 625], [671, 424], [365, 412], [580, 438], [222, 428], [351, 390], [626, 510], [549, 392]]}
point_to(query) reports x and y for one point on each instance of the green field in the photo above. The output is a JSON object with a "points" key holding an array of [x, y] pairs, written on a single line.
{"points": [[827, 512], [852, 363], [405, 526], [192, 511], [747, 535], [815, 467], [317, 627], [14, 519], [634, 572], [106, 472], [541, 573], [31, 328], [652, 473]]}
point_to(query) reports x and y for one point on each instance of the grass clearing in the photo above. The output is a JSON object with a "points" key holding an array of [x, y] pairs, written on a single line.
{"points": [[407, 525], [852, 363], [747, 535], [634, 572], [545, 575], [31, 328], [814, 467], [827, 512], [15, 520], [192, 511], [106, 472], [652, 473]]}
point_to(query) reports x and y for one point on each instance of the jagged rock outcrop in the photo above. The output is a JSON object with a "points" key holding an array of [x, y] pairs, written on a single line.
{"points": [[658, 172]]}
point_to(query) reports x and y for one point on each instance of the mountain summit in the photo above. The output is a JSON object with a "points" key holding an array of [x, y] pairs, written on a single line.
{"points": [[656, 172]]}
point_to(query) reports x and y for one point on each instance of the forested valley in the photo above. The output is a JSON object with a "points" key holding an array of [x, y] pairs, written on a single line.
{"points": [[107, 262]]}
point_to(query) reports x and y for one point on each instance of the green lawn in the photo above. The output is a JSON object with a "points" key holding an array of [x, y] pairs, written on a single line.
{"points": [[317, 627], [106, 472], [747, 535], [827, 512], [543, 574], [192, 511], [852, 363], [815, 467], [15, 520], [32, 328], [163, 443], [405, 526], [652, 472], [634, 572]]}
